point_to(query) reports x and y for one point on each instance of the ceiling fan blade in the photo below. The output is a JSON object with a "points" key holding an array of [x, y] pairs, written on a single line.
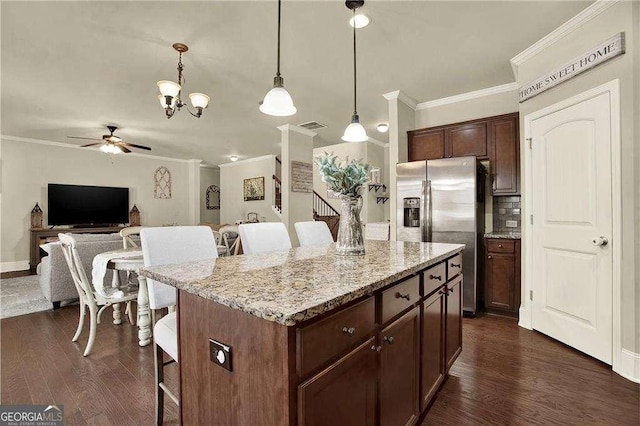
{"points": [[123, 149], [90, 144], [88, 139], [135, 145]]}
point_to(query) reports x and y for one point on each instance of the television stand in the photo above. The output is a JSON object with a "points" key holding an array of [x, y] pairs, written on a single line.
{"points": [[44, 235]]}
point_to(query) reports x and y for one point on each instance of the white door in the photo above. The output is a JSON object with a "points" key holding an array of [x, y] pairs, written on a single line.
{"points": [[572, 276]]}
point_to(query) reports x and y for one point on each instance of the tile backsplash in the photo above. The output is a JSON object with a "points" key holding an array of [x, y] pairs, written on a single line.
{"points": [[506, 209]]}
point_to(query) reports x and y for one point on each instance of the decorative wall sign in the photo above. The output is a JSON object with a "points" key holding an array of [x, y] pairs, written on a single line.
{"points": [[162, 183], [254, 189], [301, 177], [607, 50], [213, 198]]}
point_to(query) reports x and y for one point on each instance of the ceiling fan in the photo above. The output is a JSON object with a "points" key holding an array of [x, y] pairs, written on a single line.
{"points": [[111, 144]]}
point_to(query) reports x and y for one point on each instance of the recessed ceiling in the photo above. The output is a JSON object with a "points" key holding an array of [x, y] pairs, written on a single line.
{"points": [[69, 68]]}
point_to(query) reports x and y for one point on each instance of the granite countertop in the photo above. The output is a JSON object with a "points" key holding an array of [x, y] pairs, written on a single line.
{"points": [[503, 234], [291, 286]]}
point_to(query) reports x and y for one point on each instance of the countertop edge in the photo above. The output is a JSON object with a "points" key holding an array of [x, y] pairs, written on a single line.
{"points": [[294, 318]]}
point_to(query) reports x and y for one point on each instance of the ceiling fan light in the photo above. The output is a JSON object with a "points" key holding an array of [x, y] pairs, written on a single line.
{"points": [[110, 149], [355, 131], [278, 102], [199, 100], [169, 88]]}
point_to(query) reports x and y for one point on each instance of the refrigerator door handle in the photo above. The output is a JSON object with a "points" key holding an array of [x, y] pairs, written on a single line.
{"points": [[426, 219]]}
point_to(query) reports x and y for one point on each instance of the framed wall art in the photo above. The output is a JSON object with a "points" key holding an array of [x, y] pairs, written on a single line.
{"points": [[254, 189]]}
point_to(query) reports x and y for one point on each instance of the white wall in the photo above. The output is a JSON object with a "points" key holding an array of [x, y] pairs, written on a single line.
{"points": [[371, 153], [208, 176], [485, 106], [28, 167], [621, 16], [297, 145], [232, 176]]}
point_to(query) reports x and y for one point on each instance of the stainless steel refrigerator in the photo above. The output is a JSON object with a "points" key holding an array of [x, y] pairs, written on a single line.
{"points": [[442, 201]]}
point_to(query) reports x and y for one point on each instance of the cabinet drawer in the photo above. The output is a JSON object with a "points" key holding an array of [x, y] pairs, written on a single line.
{"points": [[434, 277], [500, 246], [331, 336], [399, 297], [454, 266]]}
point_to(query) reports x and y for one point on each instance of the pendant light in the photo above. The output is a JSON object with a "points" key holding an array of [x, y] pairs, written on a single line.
{"points": [[355, 131], [278, 101]]}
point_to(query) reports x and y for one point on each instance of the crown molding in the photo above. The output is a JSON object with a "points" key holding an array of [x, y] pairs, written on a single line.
{"points": [[248, 160], [568, 27], [402, 97], [377, 142], [72, 146], [209, 166], [294, 128], [503, 88]]}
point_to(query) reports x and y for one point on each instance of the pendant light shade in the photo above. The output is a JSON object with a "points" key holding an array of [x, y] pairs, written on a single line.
{"points": [[355, 132], [278, 101], [199, 100], [169, 88]]}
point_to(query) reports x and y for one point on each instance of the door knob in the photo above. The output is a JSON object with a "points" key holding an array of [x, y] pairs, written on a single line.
{"points": [[599, 241]]}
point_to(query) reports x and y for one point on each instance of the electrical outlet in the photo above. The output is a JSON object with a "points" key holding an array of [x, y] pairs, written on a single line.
{"points": [[220, 354], [512, 224]]}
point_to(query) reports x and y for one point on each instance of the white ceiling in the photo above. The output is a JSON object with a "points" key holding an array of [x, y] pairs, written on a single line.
{"points": [[69, 68]]}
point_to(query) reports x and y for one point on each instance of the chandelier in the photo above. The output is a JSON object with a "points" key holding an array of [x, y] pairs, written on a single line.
{"points": [[169, 96]]}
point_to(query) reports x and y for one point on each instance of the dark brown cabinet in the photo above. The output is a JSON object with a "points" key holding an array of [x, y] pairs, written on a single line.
{"points": [[433, 311], [344, 393], [467, 139], [426, 144], [494, 138], [502, 279], [453, 324], [505, 160], [399, 366]]}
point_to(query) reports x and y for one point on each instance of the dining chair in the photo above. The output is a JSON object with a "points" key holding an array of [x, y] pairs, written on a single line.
{"points": [[313, 233], [222, 248], [264, 237], [163, 246], [230, 238], [95, 302], [127, 233]]}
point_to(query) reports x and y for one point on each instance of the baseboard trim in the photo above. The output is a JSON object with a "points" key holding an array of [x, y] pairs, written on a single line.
{"points": [[629, 365], [20, 265], [523, 319]]}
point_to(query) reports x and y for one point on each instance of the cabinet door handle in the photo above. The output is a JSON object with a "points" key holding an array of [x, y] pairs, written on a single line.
{"points": [[388, 339], [435, 277], [489, 257], [403, 296], [376, 348], [500, 246], [455, 265], [349, 330]]}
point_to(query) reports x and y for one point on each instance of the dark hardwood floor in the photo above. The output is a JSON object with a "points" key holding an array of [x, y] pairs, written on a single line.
{"points": [[505, 375]]}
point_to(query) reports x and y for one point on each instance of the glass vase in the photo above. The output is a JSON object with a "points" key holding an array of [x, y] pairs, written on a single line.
{"points": [[350, 240]]}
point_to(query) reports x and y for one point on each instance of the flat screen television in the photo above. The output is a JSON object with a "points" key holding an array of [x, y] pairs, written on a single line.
{"points": [[87, 205]]}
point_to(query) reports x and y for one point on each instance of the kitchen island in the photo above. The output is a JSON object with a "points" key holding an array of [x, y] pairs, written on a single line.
{"points": [[312, 338]]}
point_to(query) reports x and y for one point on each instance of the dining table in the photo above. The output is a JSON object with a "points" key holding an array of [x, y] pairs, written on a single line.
{"points": [[128, 260]]}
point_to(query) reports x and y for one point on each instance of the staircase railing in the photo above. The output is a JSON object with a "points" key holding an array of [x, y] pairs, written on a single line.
{"points": [[277, 186], [321, 207]]}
